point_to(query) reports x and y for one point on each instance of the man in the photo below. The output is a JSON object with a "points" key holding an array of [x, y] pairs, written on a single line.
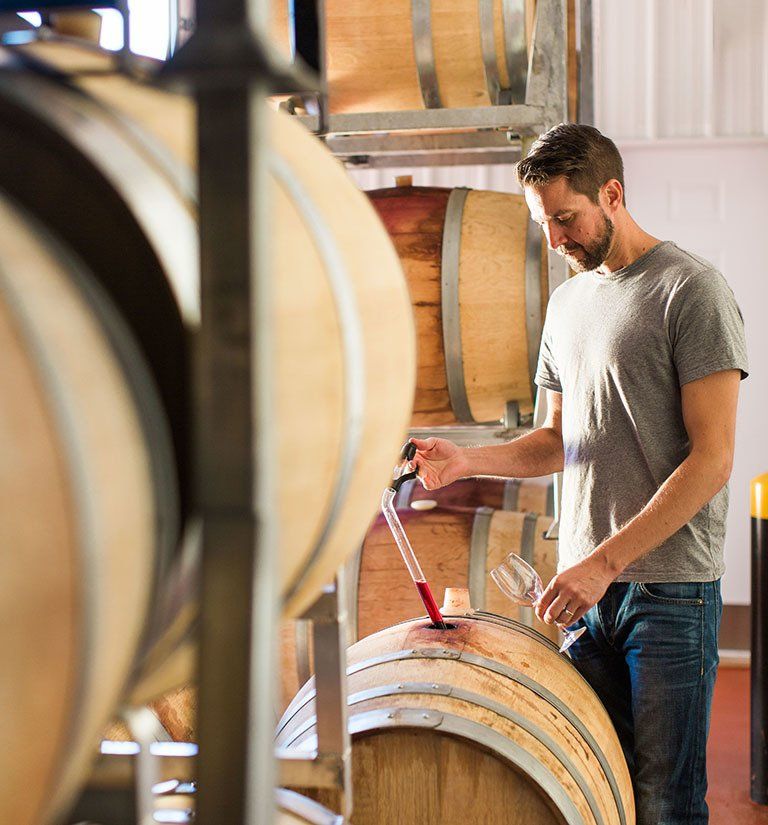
{"points": [[641, 357]]}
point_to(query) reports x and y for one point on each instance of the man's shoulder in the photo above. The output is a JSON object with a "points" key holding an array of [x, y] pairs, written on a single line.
{"points": [[689, 276], [678, 263]]}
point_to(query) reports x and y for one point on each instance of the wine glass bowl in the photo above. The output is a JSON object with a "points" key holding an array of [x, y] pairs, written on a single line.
{"points": [[517, 580], [520, 583]]}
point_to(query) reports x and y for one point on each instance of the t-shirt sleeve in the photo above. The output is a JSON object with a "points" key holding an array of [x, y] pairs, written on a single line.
{"points": [[706, 328], [547, 374]]}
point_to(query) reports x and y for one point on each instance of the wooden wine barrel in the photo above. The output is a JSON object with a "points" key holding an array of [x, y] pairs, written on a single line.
{"points": [[524, 495], [87, 514], [485, 722], [473, 262], [336, 314], [415, 55]]}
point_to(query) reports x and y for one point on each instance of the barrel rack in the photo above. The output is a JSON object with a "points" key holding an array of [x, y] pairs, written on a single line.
{"points": [[230, 68], [537, 100], [500, 133]]}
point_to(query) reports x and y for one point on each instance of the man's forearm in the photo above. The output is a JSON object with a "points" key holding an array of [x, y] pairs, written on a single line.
{"points": [[537, 453], [676, 502]]}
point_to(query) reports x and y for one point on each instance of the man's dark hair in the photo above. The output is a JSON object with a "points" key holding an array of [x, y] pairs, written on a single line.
{"points": [[584, 156]]}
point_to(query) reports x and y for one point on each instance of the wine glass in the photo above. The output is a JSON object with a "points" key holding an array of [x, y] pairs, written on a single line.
{"points": [[519, 582]]}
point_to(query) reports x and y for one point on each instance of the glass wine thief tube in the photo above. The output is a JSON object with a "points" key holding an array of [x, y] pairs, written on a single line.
{"points": [[409, 557]]}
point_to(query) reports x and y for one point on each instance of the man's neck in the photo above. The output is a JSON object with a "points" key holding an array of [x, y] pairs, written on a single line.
{"points": [[630, 242]]}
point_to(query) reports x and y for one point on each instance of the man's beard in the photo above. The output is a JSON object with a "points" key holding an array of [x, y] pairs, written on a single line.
{"points": [[595, 254]]}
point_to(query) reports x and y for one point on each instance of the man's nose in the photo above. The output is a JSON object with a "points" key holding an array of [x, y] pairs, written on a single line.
{"points": [[554, 234]]}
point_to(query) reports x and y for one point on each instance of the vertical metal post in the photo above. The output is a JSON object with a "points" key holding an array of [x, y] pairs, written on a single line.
{"points": [[586, 108], [235, 437], [759, 660], [550, 44], [235, 430], [331, 681], [142, 724], [329, 765], [309, 45], [182, 23]]}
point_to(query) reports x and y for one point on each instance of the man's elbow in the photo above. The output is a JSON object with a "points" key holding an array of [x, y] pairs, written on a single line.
{"points": [[722, 467], [724, 473], [717, 465]]}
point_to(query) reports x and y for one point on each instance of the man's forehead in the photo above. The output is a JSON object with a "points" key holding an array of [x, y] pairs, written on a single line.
{"points": [[548, 200]]}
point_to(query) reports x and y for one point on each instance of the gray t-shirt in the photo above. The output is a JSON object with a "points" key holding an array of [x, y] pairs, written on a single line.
{"points": [[619, 347]]}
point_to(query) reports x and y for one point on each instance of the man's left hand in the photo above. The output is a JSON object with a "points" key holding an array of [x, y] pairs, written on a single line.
{"points": [[573, 592]]}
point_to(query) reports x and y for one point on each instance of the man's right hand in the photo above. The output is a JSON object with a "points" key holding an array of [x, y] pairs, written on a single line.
{"points": [[439, 462]]}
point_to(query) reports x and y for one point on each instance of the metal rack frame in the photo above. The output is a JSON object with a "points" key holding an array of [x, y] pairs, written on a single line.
{"points": [[493, 133], [329, 764], [544, 106]]}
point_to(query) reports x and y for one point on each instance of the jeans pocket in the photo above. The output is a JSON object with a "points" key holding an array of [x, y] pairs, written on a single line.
{"points": [[680, 593]]}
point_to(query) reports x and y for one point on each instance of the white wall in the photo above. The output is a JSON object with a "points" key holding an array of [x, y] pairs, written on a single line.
{"points": [[681, 69]]}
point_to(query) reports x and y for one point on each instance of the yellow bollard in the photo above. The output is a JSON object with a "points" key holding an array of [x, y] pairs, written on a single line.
{"points": [[759, 682]]}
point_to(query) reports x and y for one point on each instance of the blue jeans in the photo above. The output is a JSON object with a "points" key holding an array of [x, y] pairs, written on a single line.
{"points": [[650, 653]]}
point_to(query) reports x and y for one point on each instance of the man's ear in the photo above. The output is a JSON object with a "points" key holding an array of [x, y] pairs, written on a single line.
{"points": [[612, 195]]}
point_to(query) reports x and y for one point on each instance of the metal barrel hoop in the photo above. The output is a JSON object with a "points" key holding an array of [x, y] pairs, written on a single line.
{"points": [[352, 592], [488, 49], [478, 700], [515, 51], [310, 811], [527, 552], [424, 53], [511, 497], [515, 48], [451, 308], [478, 555]]}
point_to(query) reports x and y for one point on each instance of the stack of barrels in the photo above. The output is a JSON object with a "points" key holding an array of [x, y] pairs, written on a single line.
{"points": [[99, 313]]}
